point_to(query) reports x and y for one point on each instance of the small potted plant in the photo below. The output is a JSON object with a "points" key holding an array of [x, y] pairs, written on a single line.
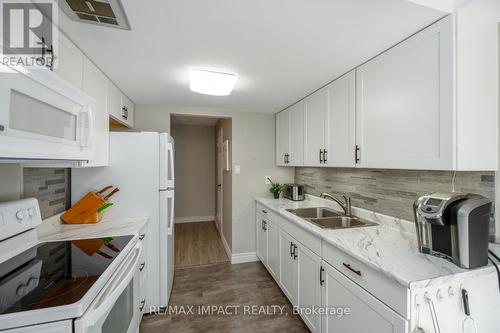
{"points": [[276, 189]]}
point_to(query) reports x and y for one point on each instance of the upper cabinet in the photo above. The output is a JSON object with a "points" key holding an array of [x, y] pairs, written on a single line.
{"points": [[69, 61], [405, 103], [121, 109], [95, 84], [429, 103], [290, 136]]}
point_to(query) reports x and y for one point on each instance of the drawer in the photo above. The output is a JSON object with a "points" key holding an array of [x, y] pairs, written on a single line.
{"points": [[379, 285], [264, 212], [305, 237]]}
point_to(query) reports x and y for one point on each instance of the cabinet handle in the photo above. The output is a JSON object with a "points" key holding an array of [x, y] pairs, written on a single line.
{"points": [[291, 249], [143, 303], [295, 252], [325, 155], [124, 112], [356, 154], [264, 211], [320, 156], [348, 266], [264, 225], [141, 237], [142, 266], [288, 158], [321, 280]]}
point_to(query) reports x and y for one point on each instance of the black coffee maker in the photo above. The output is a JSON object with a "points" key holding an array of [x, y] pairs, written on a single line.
{"points": [[454, 226]]}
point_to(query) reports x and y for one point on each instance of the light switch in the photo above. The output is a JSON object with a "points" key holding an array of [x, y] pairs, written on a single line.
{"points": [[237, 169]]}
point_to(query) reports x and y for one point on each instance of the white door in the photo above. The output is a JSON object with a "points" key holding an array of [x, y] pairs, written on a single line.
{"points": [[309, 295], [315, 108], [282, 137], [260, 225], [405, 103], [95, 84], [273, 250], [366, 313], [296, 151], [220, 180], [288, 267], [341, 128]]}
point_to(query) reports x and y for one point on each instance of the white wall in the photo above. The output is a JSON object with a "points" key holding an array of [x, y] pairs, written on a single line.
{"points": [[10, 182], [195, 172], [253, 148]]}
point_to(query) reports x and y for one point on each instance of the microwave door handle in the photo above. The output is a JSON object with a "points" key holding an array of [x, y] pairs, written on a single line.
{"points": [[105, 307], [89, 136]]}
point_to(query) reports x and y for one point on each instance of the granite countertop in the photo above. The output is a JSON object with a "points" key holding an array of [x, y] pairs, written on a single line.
{"points": [[52, 229], [390, 247]]}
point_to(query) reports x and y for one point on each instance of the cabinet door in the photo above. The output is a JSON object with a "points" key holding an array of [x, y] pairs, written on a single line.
{"points": [[69, 61], [296, 151], [315, 107], [95, 84], [341, 127], [261, 240], [309, 295], [288, 268], [405, 103], [367, 314], [282, 137], [273, 250], [114, 102]]}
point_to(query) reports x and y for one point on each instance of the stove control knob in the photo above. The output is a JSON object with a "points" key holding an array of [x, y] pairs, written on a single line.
{"points": [[31, 211], [21, 214], [22, 290]]}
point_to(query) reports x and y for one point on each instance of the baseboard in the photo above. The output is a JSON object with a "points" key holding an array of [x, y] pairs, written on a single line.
{"points": [[190, 219], [226, 246], [239, 258]]}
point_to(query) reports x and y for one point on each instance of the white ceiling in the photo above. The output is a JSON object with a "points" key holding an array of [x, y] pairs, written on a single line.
{"points": [[281, 50], [193, 120]]}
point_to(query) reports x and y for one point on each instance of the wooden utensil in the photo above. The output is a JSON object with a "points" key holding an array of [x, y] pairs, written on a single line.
{"points": [[86, 210]]}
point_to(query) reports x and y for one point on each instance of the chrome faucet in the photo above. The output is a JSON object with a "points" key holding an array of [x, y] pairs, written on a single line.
{"points": [[345, 206]]}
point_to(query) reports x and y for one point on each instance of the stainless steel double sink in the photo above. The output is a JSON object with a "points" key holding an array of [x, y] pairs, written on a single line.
{"points": [[329, 219]]}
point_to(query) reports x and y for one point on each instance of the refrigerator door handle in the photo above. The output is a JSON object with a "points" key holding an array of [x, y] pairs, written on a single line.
{"points": [[170, 175], [170, 228]]}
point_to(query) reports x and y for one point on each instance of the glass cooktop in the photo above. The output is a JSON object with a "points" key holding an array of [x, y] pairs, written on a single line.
{"points": [[55, 273]]}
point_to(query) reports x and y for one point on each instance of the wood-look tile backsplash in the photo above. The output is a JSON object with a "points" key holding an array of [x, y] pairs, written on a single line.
{"points": [[51, 186], [392, 192]]}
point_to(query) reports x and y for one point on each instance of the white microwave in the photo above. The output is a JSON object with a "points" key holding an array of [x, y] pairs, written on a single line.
{"points": [[43, 117]]}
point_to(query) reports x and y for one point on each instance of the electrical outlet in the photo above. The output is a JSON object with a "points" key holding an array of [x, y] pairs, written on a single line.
{"points": [[267, 180]]}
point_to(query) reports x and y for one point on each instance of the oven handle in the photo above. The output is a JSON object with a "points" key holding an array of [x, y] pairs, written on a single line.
{"points": [[111, 298]]}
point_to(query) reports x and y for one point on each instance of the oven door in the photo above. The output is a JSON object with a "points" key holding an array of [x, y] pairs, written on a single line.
{"points": [[116, 308], [43, 117]]}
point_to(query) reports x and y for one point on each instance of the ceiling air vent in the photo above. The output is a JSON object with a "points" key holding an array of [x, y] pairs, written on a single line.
{"points": [[109, 13]]}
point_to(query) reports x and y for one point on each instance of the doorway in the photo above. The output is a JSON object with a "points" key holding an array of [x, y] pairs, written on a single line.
{"points": [[200, 186]]}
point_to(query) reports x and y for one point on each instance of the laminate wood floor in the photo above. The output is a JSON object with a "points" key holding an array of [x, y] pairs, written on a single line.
{"points": [[198, 244], [223, 285]]}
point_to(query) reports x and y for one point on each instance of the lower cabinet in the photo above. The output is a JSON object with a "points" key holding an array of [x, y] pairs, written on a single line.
{"points": [[309, 283], [288, 280], [268, 249], [366, 313], [261, 239]]}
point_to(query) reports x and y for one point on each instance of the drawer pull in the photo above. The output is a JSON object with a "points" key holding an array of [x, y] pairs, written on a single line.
{"points": [[291, 249], [143, 303], [142, 266], [264, 211], [348, 266], [141, 237]]}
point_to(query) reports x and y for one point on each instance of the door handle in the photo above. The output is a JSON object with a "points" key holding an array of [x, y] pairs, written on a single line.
{"points": [[321, 156], [142, 266], [325, 155], [141, 237], [295, 252], [291, 249], [321, 280], [143, 303], [356, 154]]}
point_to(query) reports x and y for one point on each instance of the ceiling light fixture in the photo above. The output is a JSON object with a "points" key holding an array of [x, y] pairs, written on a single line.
{"points": [[211, 83]]}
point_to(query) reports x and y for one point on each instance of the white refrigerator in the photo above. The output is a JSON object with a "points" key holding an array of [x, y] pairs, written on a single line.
{"points": [[142, 165]]}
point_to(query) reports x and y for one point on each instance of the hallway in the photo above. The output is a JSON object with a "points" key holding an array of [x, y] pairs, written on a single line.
{"points": [[198, 244]]}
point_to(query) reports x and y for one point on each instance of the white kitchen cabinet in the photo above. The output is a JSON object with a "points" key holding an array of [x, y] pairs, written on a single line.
{"points": [[290, 136], [405, 103], [315, 113], [288, 278], [69, 61], [95, 84], [260, 225], [282, 137], [366, 313], [273, 249], [121, 109], [309, 286], [340, 125]]}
